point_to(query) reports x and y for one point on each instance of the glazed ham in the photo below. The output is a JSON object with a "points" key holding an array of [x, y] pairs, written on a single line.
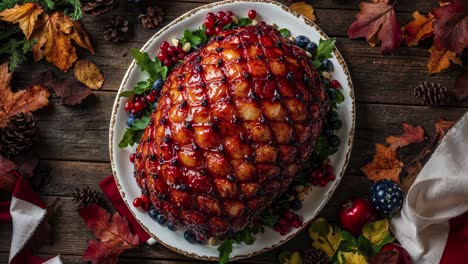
{"points": [[233, 126]]}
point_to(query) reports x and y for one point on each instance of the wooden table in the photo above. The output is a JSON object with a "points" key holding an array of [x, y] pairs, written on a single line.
{"points": [[74, 140]]}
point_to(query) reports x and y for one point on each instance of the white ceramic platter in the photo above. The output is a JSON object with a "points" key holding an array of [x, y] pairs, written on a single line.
{"points": [[270, 12]]}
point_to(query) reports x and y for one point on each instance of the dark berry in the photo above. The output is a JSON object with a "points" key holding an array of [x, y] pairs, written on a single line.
{"points": [[137, 202], [218, 29], [171, 50], [153, 213], [154, 105], [296, 204], [189, 237], [328, 65], [324, 81], [171, 227], [132, 157], [211, 15], [252, 14], [164, 46], [167, 62], [136, 115], [150, 98], [209, 22], [302, 41], [227, 19], [332, 116], [335, 84], [334, 141], [210, 31], [335, 125], [220, 15], [158, 84], [145, 199], [386, 197], [130, 121], [161, 219], [311, 47], [331, 93], [128, 106], [138, 106], [327, 131], [162, 55]]}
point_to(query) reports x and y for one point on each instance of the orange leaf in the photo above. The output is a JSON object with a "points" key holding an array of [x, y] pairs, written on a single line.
{"points": [[25, 15], [54, 34], [88, 73], [23, 101], [420, 28], [113, 232], [384, 165], [411, 134], [440, 59], [442, 126], [304, 9]]}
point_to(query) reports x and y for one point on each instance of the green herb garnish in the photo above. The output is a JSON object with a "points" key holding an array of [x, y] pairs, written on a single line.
{"points": [[285, 32]]}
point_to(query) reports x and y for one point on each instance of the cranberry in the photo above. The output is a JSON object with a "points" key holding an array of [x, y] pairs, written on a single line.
{"points": [[137, 202], [210, 31], [209, 22], [335, 84], [145, 199], [220, 15], [139, 106], [227, 19], [218, 29], [164, 45], [181, 55], [178, 49], [162, 55], [132, 157], [252, 14], [355, 214], [211, 15], [150, 98], [171, 50], [167, 62], [128, 106], [175, 59]]}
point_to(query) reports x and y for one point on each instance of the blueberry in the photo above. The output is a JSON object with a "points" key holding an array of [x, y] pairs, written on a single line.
{"points": [[325, 81], [335, 125], [155, 104], [311, 47], [328, 65], [189, 236], [327, 131], [302, 41], [296, 204], [153, 213], [331, 94], [161, 219], [170, 226], [130, 121], [158, 84], [137, 115], [332, 116], [334, 141]]}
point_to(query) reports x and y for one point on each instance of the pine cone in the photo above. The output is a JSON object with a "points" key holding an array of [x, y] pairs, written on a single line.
{"points": [[85, 197], [98, 7], [18, 135], [431, 93], [314, 256], [153, 17], [116, 29]]}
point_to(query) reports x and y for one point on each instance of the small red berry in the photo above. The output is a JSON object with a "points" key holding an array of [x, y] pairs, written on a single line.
{"points": [[167, 62], [137, 202], [335, 84], [162, 55], [171, 50], [132, 157], [175, 59], [145, 199], [229, 13], [164, 45], [252, 14], [220, 15], [211, 15], [128, 106], [178, 49], [210, 31], [227, 19], [181, 55], [218, 29], [261, 23], [144, 207], [138, 106], [209, 22], [150, 98]]}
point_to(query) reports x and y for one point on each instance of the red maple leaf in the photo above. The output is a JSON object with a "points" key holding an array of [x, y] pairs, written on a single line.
{"points": [[411, 134], [377, 22], [442, 126], [451, 26], [113, 232]]}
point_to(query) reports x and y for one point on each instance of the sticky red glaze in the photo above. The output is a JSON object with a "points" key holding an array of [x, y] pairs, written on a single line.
{"points": [[232, 128]]}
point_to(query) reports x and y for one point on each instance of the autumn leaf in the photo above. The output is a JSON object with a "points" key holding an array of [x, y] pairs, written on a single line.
{"points": [[461, 85], [451, 26], [376, 231], [53, 35], [88, 73], [442, 126], [25, 15], [113, 233], [411, 134], [384, 165], [440, 59], [377, 22], [351, 258], [23, 101], [418, 29], [385, 257], [304, 9], [325, 236]]}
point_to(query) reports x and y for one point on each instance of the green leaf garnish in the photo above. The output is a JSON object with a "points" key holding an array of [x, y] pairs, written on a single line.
{"points": [[154, 68], [285, 32], [244, 22], [225, 250], [325, 49], [141, 123], [323, 149]]}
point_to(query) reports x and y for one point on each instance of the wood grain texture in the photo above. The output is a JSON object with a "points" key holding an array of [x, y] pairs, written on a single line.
{"points": [[74, 140]]}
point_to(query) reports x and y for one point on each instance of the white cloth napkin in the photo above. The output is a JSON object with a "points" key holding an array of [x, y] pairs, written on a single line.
{"points": [[439, 194]]}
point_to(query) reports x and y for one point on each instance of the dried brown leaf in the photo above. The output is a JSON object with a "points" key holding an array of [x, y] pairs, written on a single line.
{"points": [[25, 15], [304, 9], [440, 59], [384, 165], [88, 73]]}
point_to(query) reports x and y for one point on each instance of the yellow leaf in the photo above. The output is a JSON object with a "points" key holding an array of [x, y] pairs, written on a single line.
{"points": [[294, 259], [440, 59], [351, 258], [304, 9], [25, 15], [88, 73], [376, 231], [324, 236]]}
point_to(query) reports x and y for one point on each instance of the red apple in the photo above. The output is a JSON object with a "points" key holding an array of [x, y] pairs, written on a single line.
{"points": [[355, 214], [404, 257]]}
